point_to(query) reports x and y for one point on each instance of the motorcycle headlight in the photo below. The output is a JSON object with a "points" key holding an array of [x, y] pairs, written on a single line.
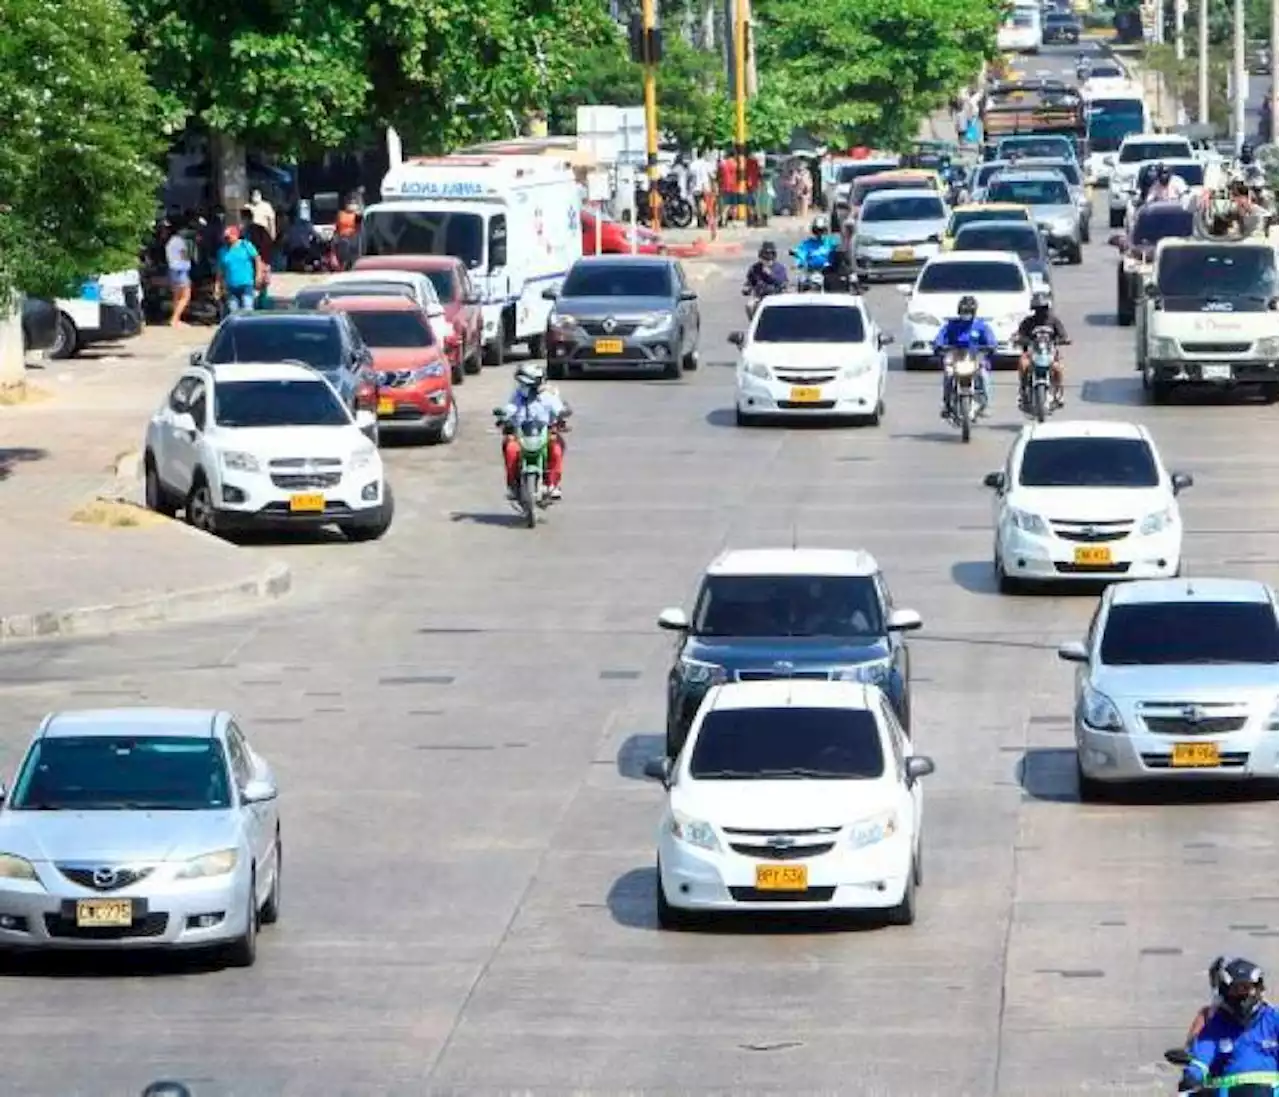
{"points": [[1098, 711], [869, 674], [13, 867], [855, 370], [1162, 346], [1154, 523], [363, 457], [697, 673], [759, 369], [218, 863], [654, 323], [1028, 522], [237, 461], [924, 318], [874, 830], [424, 373], [693, 832], [1269, 346]]}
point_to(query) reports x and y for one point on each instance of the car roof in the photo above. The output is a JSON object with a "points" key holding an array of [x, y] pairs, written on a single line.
{"points": [[1173, 161], [373, 304], [974, 228], [347, 276], [1169, 206], [623, 260], [793, 693], [974, 257], [794, 561], [1147, 591], [282, 316], [412, 263], [261, 371], [176, 722], [1085, 428], [1137, 138], [902, 192], [1028, 175], [812, 300], [1007, 207]]}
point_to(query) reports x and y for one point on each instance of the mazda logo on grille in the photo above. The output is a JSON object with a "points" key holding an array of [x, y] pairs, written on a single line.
{"points": [[1193, 714], [104, 877], [610, 324]]}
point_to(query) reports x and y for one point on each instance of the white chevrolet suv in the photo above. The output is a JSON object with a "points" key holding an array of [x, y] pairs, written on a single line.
{"points": [[264, 445]]}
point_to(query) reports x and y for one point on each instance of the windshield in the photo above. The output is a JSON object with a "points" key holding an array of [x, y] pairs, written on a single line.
{"points": [[393, 329], [1024, 19], [277, 404], [834, 744], [971, 278], [1070, 171], [910, 208], [978, 216], [788, 605], [126, 772], [316, 343], [1187, 633], [1030, 192], [1137, 151], [315, 297], [847, 173], [1058, 19], [423, 232], [442, 280], [1191, 174], [988, 171], [1153, 226], [1227, 271], [618, 280], [1025, 242], [1088, 463], [862, 189], [1106, 72], [809, 324], [1036, 146]]}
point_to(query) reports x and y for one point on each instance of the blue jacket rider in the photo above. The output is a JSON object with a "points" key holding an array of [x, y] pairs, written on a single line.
{"points": [[1238, 1045], [815, 252], [964, 332]]}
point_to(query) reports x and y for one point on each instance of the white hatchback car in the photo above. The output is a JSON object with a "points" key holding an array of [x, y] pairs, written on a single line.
{"points": [[1083, 501], [264, 445], [791, 794], [997, 280], [810, 355]]}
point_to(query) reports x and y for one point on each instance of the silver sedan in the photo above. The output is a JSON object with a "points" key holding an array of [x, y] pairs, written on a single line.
{"points": [[130, 828]]}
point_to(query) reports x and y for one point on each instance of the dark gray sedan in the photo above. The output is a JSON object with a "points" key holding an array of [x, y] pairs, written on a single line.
{"points": [[1020, 237], [623, 312]]}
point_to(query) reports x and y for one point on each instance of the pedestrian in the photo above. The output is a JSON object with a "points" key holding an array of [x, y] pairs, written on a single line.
{"points": [[262, 212], [177, 255], [346, 226], [803, 190], [700, 176], [754, 179], [727, 186], [240, 271]]}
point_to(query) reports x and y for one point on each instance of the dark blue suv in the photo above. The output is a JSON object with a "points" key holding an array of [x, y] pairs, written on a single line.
{"points": [[788, 613]]}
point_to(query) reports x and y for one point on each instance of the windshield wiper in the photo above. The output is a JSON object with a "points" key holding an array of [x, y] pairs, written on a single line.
{"points": [[727, 774], [802, 771]]}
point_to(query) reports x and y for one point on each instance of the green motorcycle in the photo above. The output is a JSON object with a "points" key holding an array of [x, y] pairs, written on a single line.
{"points": [[534, 438]]}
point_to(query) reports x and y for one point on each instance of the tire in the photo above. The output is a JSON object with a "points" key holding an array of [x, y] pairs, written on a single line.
{"points": [[495, 353], [964, 414], [154, 493], [904, 914], [671, 369], [1086, 232], [198, 510], [1159, 391], [1115, 218], [1125, 314], [1005, 583], [917, 865], [529, 498], [668, 917], [556, 371], [66, 340], [674, 738], [679, 212], [1090, 790], [913, 362], [744, 418], [475, 363], [243, 951], [447, 430], [1037, 402], [1075, 256], [376, 531], [873, 420], [1271, 392], [270, 913], [536, 346], [457, 374], [690, 361]]}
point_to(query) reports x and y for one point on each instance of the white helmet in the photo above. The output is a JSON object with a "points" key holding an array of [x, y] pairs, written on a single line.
{"points": [[531, 376]]}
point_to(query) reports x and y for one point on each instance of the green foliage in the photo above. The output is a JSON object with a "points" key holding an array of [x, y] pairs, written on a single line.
{"points": [[77, 182], [1182, 77]]}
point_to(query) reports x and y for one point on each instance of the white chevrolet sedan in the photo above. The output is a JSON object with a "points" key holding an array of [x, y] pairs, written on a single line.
{"points": [[791, 794], [808, 355]]}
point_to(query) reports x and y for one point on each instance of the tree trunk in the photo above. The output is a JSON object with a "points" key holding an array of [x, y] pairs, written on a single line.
{"points": [[230, 174], [13, 370]]}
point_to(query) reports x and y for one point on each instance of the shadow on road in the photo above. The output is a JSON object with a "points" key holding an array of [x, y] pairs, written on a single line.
{"points": [[1101, 320], [502, 519], [11, 457], [123, 964]]}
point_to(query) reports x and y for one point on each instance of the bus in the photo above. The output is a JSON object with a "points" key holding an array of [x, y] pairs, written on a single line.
{"points": [[1021, 30], [1111, 119]]}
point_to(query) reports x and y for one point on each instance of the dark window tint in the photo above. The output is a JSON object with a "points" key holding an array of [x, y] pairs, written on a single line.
{"points": [[847, 173], [277, 404], [1106, 72], [907, 208], [393, 329], [979, 216], [863, 188], [1227, 271], [1153, 225], [972, 278], [987, 172], [103, 773], [618, 280], [314, 342], [809, 324], [788, 605], [1137, 151], [1024, 241], [444, 283], [1030, 192], [1036, 146], [1185, 633], [1088, 462], [774, 743], [1191, 174], [423, 232]]}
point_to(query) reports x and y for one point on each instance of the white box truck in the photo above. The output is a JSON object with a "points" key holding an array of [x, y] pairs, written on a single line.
{"points": [[514, 220]]}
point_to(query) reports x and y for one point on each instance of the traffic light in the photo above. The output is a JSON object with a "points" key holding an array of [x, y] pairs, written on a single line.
{"points": [[637, 36]]}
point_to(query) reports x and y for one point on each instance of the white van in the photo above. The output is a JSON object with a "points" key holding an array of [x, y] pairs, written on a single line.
{"points": [[108, 309], [1021, 30], [514, 220]]}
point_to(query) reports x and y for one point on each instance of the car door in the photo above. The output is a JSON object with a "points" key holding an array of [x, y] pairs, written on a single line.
{"points": [[166, 439], [188, 443], [690, 321], [257, 819]]}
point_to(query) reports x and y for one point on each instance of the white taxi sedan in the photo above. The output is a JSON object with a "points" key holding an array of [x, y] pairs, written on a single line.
{"points": [[997, 280], [1085, 501], [809, 355], [789, 795]]}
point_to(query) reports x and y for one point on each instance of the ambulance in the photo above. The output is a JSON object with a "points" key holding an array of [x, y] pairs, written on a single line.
{"points": [[513, 220]]}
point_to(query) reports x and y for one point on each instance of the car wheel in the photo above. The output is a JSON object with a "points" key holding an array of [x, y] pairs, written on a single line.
{"points": [[1159, 391], [199, 510], [1115, 218], [495, 353], [475, 363], [537, 346], [1005, 583], [66, 340], [913, 362], [873, 420], [446, 431], [668, 917], [1091, 791], [671, 368], [690, 362], [917, 866], [1271, 392], [243, 951], [457, 373], [555, 371], [270, 914], [744, 418], [154, 494], [1085, 232], [376, 530], [904, 914], [1075, 256]]}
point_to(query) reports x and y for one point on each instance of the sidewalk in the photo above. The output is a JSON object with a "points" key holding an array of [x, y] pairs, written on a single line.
{"points": [[113, 565]]}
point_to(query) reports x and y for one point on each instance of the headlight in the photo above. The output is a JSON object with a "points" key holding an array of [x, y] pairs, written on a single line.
{"points": [[240, 462], [855, 370], [872, 831], [423, 373], [1154, 523], [211, 864], [698, 673], [363, 458], [871, 674], [693, 831], [1269, 346], [1097, 710], [562, 321], [13, 867], [111, 295], [1164, 347], [924, 318], [654, 323], [759, 369], [1273, 724], [1028, 522]]}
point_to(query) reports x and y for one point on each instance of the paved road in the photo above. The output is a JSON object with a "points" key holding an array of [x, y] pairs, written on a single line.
{"points": [[459, 724]]}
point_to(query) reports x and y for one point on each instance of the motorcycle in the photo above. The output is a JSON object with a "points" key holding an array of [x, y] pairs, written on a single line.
{"points": [[963, 368], [534, 438], [676, 210], [1037, 396], [810, 268], [755, 296]]}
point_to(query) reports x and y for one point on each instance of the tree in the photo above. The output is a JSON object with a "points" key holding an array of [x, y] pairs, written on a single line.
{"points": [[77, 150]]}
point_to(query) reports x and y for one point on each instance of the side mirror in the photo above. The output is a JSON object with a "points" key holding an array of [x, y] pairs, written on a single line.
{"points": [[658, 769], [673, 620], [197, 358], [258, 792], [737, 338], [994, 481], [688, 295], [499, 412], [904, 620], [905, 289], [884, 339], [1181, 481], [918, 765], [548, 294], [184, 422], [1116, 240], [1073, 652]]}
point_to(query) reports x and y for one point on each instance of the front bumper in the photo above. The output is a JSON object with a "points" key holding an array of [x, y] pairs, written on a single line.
{"points": [[42, 915], [114, 322], [696, 879], [606, 352], [1138, 755], [1049, 558], [1214, 371], [1060, 242], [878, 262], [859, 395], [412, 410], [257, 500]]}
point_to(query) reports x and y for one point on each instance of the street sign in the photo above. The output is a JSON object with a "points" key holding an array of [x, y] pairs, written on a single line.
{"points": [[612, 135]]}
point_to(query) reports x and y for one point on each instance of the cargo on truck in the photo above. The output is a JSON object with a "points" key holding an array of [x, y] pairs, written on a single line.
{"points": [[1028, 107]]}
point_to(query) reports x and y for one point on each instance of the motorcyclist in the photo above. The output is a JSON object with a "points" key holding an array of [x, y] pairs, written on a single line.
{"points": [[1040, 316], [1236, 1051], [840, 276], [1238, 211], [766, 275], [1082, 66], [532, 400], [967, 332], [1167, 187], [814, 253]]}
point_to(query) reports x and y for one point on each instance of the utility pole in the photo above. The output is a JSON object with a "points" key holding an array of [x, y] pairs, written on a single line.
{"points": [[740, 97], [1274, 105], [649, 19], [1157, 31], [1239, 78], [1179, 30], [1203, 110]]}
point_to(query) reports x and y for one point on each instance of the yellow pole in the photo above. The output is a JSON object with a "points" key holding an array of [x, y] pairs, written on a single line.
{"points": [[740, 97], [650, 20]]}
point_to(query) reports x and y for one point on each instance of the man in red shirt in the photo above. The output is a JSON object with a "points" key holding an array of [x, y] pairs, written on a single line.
{"points": [[753, 190], [727, 175]]}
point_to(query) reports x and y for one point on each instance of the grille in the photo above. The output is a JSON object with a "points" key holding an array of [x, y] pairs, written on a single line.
{"points": [[620, 329], [293, 481], [1177, 725], [1092, 536], [318, 463], [281, 509], [1216, 348], [124, 877], [1234, 759], [152, 925], [809, 895], [769, 675], [817, 405], [1091, 569], [807, 378], [782, 853]]}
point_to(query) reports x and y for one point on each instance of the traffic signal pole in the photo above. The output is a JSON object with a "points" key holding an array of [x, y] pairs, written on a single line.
{"points": [[740, 101], [649, 17]]}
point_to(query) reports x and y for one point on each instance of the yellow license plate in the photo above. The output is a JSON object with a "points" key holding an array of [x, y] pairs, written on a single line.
{"points": [[782, 877], [386, 406], [1093, 554], [806, 394], [903, 255], [608, 346], [1195, 755], [311, 503], [104, 912]]}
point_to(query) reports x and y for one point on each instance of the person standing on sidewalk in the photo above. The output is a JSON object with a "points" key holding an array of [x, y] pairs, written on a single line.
{"points": [[177, 256], [262, 212], [240, 271], [727, 185], [700, 185]]}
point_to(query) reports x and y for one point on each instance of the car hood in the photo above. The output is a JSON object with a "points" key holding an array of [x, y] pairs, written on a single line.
{"points": [[807, 356], [1066, 211], [272, 442], [994, 306], [620, 308], [1090, 504], [1198, 682], [117, 835], [905, 231], [800, 651], [391, 359], [782, 805]]}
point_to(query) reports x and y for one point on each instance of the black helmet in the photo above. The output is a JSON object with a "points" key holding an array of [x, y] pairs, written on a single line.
{"points": [[1240, 987], [1246, 153], [1163, 173], [166, 1089], [1040, 302], [968, 307], [768, 251], [1215, 969]]}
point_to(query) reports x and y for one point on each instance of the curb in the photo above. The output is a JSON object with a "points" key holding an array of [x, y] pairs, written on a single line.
{"points": [[274, 582], [706, 249]]}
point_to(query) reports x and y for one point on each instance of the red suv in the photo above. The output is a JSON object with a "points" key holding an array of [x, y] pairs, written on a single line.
{"points": [[460, 300]]}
